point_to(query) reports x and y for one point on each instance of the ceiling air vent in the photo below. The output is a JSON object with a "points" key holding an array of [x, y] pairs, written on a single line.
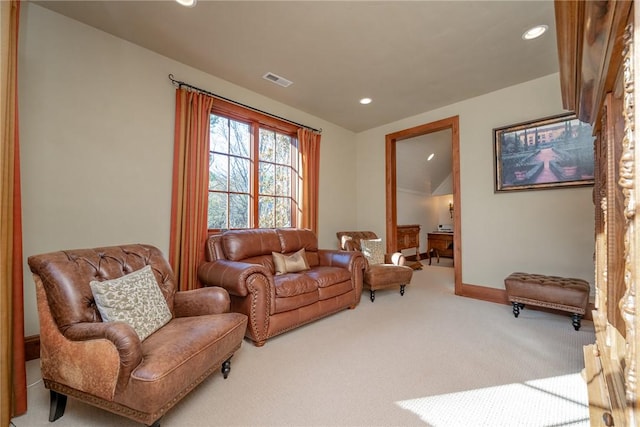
{"points": [[277, 79]]}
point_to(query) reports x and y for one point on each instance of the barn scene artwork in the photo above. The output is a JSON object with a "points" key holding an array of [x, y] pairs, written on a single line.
{"points": [[547, 153]]}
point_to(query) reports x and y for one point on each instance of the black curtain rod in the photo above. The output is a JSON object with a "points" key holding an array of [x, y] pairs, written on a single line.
{"points": [[180, 84]]}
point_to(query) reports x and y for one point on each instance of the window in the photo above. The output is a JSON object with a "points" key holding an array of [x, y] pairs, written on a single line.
{"points": [[254, 172]]}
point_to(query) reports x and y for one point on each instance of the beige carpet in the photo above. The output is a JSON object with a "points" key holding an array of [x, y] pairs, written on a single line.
{"points": [[427, 358]]}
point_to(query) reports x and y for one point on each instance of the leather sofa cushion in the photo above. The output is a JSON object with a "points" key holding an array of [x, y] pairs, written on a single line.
{"points": [[328, 276], [288, 306], [264, 260], [293, 291], [292, 240], [335, 290], [292, 284], [241, 244]]}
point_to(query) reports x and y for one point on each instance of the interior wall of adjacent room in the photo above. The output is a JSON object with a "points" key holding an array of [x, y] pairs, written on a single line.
{"points": [[547, 231], [424, 210], [96, 133], [413, 208]]}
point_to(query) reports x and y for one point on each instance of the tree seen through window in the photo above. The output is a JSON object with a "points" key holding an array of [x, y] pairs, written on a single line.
{"points": [[253, 175]]}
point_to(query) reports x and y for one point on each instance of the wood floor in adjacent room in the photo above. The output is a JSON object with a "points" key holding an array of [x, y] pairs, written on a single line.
{"points": [[428, 358]]}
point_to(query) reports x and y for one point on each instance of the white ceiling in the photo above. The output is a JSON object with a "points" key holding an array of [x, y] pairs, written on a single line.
{"points": [[415, 173], [410, 57]]}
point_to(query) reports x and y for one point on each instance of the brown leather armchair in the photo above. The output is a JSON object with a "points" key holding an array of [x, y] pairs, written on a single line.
{"points": [[391, 273], [106, 364]]}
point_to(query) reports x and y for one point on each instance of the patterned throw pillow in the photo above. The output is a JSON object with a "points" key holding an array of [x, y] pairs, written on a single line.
{"points": [[290, 264], [372, 250], [135, 299]]}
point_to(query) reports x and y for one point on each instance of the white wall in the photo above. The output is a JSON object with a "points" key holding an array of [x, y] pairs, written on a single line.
{"points": [[441, 206], [446, 187], [96, 124], [419, 208], [96, 134], [413, 208], [546, 231]]}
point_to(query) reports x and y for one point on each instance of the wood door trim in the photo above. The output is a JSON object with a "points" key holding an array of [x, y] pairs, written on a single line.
{"points": [[452, 123]]}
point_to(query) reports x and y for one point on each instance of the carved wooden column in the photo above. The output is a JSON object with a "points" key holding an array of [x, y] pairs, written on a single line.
{"points": [[598, 71]]}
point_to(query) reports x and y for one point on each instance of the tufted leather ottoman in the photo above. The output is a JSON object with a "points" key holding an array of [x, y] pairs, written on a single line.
{"points": [[555, 292]]}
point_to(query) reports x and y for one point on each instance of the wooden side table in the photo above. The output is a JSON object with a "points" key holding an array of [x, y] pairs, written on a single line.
{"points": [[440, 245], [408, 236]]}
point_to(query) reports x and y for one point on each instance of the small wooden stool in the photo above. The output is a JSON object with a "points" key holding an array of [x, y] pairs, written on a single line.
{"points": [[559, 293]]}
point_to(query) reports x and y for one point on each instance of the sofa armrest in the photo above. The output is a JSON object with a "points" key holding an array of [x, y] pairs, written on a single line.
{"points": [[230, 275], [197, 302], [251, 289], [123, 337], [350, 260]]}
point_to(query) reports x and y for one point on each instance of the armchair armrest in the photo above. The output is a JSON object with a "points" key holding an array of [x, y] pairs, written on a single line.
{"points": [[197, 302], [395, 258], [231, 275], [350, 245], [120, 334]]}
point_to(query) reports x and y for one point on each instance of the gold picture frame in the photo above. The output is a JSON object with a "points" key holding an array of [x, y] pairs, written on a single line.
{"points": [[547, 153]]}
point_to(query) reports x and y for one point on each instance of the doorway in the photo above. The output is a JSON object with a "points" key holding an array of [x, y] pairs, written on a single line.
{"points": [[452, 124]]}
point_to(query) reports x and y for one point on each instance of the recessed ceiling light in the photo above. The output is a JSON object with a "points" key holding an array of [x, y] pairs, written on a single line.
{"points": [[187, 3], [535, 32], [365, 101], [430, 157]]}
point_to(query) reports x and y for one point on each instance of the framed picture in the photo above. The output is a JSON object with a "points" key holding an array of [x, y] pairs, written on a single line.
{"points": [[548, 153]]}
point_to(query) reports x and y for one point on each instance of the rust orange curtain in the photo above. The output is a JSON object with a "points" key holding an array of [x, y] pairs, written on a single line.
{"points": [[189, 201], [309, 142], [13, 394]]}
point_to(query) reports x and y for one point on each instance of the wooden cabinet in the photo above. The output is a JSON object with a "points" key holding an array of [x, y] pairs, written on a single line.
{"points": [[599, 70], [408, 236], [439, 245]]}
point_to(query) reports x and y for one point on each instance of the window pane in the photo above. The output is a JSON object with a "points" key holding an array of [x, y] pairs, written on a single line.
{"points": [[267, 145], [283, 181], [283, 212], [218, 133], [239, 211], [239, 139], [266, 178], [283, 149], [217, 210], [266, 212], [239, 179], [218, 171], [236, 194]]}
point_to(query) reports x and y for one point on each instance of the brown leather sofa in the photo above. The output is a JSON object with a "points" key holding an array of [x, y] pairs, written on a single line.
{"points": [[241, 261], [105, 364]]}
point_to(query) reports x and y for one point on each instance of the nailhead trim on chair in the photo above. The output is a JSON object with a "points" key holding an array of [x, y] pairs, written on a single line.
{"points": [[133, 414]]}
